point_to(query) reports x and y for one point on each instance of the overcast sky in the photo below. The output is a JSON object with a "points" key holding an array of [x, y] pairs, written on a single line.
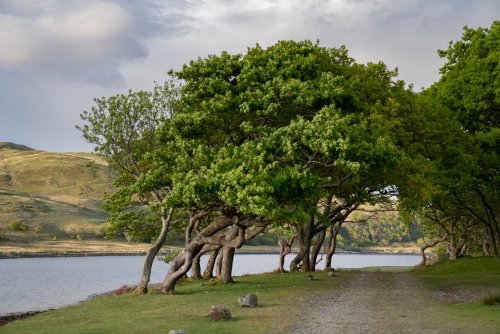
{"points": [[56, 56]]}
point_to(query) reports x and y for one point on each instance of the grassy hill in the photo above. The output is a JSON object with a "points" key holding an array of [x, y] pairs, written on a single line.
{"points": [[51, 195]]}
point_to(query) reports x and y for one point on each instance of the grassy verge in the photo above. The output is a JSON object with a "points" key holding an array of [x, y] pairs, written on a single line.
{"points": [[468, 273], [281, 297], [464, 283]]}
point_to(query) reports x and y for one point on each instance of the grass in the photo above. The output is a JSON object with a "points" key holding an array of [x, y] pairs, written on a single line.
{"points": [[472, 277], [58, 195], [492, 299], [281, 297], [467, 273]]}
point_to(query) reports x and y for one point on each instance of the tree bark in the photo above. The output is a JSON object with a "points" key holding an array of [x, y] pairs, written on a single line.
{"points": [[332, 244], [196, 267], [182, 263], [209, 269], [226, 265], [304, 236], [153, 251], [285, 248], [426, 245], [316, 248]]}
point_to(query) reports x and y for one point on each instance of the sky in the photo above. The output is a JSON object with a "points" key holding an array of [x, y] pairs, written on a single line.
{"points": [[56, 56]]}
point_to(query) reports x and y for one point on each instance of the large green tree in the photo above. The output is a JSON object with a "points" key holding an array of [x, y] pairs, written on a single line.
{"points": [[465, 151], [272, 135]]}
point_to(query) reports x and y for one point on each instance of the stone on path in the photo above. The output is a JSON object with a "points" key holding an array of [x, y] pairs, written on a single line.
{"points": [[248, 301]]}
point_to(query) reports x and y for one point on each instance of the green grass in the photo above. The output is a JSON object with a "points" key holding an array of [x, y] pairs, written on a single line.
{"points": [[281, 297], [481, 272], [492, 299], [477, 277]]}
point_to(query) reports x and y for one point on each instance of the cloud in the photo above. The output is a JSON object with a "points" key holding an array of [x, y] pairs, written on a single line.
{"points": [[56, 55], [79, 40]]}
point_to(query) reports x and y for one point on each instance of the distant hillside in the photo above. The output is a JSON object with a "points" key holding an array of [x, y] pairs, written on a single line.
{"points": [[55, 194], [13, 146]]}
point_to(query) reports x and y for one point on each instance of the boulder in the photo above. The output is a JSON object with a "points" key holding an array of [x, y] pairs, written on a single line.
{"points": [[248, 301], [331, 274], [219, 313]]}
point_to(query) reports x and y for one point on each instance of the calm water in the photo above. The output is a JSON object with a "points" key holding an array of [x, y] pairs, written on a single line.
{"points": [[43, 283]]}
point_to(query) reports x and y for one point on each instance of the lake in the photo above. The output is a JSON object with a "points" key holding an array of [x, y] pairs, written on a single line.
{"points": [[42, 283]]}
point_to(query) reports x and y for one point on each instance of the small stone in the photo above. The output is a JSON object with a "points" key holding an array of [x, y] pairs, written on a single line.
{"points": [[177, 331], [248, 301], [309, 277], [219, 313]]}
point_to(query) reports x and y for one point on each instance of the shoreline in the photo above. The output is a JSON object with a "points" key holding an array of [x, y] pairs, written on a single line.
{"points": [[51, 254]]}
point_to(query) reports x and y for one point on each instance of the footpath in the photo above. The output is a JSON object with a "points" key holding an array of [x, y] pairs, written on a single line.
{"points": [[384, 302]]}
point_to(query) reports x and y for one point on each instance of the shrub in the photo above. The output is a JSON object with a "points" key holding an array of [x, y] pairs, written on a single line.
{"points": [[18, 226], [492, 299]]}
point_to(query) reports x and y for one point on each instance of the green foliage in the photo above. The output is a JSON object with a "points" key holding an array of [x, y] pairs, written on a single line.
{"points": [[272, 131], [461, 146], [383, 230], [18, 226], [471, 77]]}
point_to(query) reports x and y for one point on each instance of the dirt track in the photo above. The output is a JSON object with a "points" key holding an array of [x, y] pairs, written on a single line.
{"points": [[384, 302]]}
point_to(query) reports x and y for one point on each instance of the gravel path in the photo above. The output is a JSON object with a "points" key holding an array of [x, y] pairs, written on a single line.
{"points": [[383, 302]]}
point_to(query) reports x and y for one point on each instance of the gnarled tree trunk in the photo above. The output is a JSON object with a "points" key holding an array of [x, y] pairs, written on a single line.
{"points": [[153, 251], [285, 248], [209, 269], [304, 236], [316, 248], [332, 244]]}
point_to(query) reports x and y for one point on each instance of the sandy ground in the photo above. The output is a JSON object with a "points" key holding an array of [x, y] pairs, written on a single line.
{"points": [[384, 302]]}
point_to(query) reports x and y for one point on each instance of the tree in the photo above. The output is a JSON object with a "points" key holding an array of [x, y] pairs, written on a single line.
{"points": [[469, 91], [124, 130], [269, 135]]}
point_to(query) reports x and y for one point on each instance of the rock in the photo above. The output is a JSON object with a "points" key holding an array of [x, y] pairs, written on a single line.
{"points": [[331, 274], [309, 277], [219, 313], [177, 331], [248, 301]]}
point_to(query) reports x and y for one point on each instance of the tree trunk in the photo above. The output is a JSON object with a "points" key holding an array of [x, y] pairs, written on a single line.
{"points": [[209, 269], [196, 267], [168, 284], [218, 265], [152, 252], [332, 244], [182, 263], [316, 248], [304, 236], [285, 248], [227, 265]]}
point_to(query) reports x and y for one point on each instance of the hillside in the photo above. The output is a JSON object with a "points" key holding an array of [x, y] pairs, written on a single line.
{"points": [[51, 195]]}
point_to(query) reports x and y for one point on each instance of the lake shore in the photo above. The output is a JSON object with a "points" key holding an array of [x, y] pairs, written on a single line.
{"points": [[76, 248], [372, 301]]}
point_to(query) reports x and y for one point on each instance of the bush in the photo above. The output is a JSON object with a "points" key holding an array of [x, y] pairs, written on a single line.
{"points": [[18, 226], [492, 299]]}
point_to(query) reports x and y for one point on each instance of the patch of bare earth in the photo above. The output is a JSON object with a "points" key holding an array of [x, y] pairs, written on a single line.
{"points": [[383, 302]]}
